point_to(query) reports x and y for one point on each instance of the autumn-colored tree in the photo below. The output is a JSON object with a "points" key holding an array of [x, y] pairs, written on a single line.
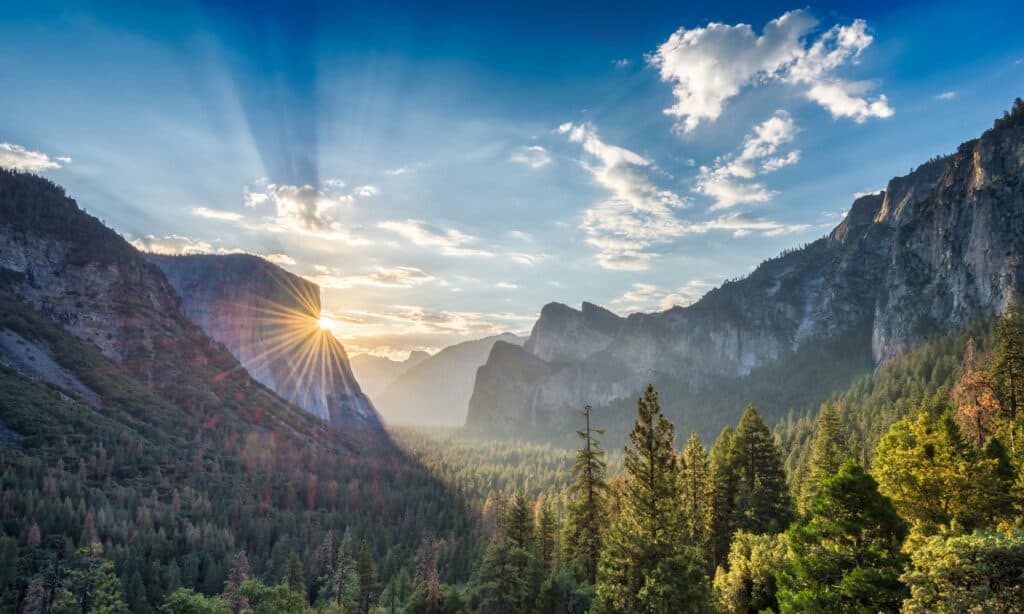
{"points": [[974, 395], [237, 576]]}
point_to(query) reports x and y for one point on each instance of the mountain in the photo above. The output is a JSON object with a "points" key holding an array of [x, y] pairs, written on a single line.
{"points": [[84, 277], [375, 373], [269, 320], [436, 391], [934, 251]]}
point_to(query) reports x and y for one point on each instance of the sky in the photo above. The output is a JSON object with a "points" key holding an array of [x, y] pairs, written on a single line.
{"points": [[445, 169]]}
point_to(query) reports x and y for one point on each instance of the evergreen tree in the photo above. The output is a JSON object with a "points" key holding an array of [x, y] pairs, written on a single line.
{"points": [[646, 564], [294, 576], [519, 522], [828, 451], [748, 584], [368, 581], [547, 535], [696, 493], [1007, 369], [237, 576], [91, 584], [934, 476], [847, 554], [588, 515], [723, 493], [762, 502]]}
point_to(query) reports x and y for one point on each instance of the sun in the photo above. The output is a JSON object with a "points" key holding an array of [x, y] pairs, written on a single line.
{"points": [[325, 322]]}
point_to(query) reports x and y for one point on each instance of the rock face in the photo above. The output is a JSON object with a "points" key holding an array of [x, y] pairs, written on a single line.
{"points": [[437, 390], [937, 249], [83, 276], [269, 319]]}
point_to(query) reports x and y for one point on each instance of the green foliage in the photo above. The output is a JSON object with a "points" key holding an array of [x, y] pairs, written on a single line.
{"points": [[646, 565], [187, 601], [846, 556], [695, 490], [264, 599], [90, 585], [748, 583], [828, 451], [935, 478], [761, 503], [983, 572], [588, 509]]}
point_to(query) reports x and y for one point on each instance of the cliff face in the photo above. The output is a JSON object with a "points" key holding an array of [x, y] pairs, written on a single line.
{"points": [[268, 319], [937, 249]]}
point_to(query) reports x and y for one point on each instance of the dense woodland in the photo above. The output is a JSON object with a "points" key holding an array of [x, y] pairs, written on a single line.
{"points": [[902, 492]]}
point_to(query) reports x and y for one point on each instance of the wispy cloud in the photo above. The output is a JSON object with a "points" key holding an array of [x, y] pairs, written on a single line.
{"points": [[648, 297], [637, 215], [449, 242], [727, 182], [216, 214], [533, 156], [18, 158], [383, 277], [950, 95], [709, 65], [621, 63]]}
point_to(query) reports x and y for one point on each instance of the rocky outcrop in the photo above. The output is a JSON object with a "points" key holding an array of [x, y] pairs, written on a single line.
{"points": [[269, 320], [937, 249]]}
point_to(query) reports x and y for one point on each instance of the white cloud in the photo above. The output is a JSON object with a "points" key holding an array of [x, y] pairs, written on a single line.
{"points": [[648, 297], [621, 63], [504, 285], [279, 259], [741, 225], [384, 277], [172, 245], [216, 214], [307, 210], [636, 216], [723, 182], [449, 242], [533, 156], [18, 158], [950, 95], [527, 259], [709, 65], [401, 170]]}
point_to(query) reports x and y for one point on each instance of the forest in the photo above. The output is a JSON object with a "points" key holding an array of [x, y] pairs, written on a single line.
{"points": [[903, 493]]}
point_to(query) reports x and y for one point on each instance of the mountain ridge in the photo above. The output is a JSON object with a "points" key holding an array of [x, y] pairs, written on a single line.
{"points": [[938, 248]]}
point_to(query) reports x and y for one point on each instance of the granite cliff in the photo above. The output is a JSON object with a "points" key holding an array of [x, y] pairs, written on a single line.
{"points": [[268, 319], [935, 250]]}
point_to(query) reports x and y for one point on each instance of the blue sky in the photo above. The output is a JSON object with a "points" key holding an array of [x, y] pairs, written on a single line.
{"points": [[444, 170]]}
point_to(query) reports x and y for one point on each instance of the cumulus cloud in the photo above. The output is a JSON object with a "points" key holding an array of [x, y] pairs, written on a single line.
{"points": [[382, 277], [279, 259], [727, 182], [707, 66], [648, 297], [216, 214], [533, 156], [449, 242], [18, 158], [636, 216]]}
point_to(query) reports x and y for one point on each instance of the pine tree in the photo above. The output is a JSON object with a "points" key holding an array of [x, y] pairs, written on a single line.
{"points": [[547, 534], [847, 555], [92, 584], [646, 564], [696, 495], [588, 508], [519, 522], [294, 576], [762, 502], [1007, 369], [828, 451], [723, 493], [977, 406], [237, 576], [368, 580]]}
